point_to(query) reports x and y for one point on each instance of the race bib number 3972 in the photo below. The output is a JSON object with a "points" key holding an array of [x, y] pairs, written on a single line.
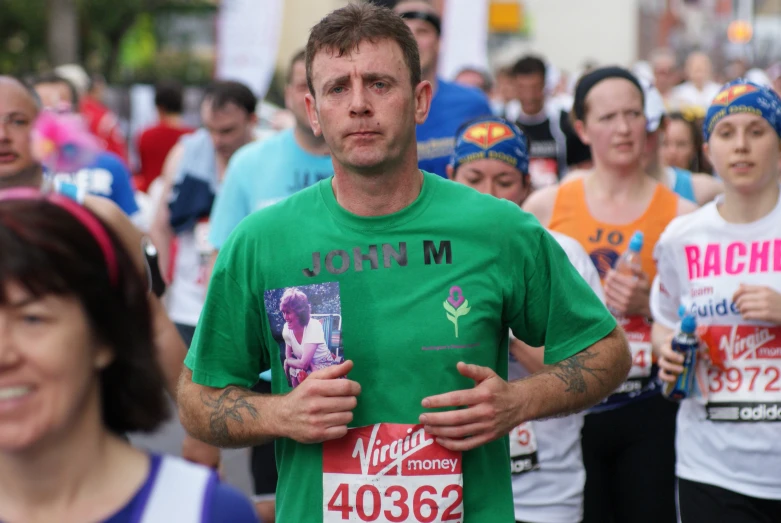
{"points": [[391, 473]]}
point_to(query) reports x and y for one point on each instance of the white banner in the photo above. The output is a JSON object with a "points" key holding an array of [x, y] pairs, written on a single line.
{"points": [[248, 41], [464, 40]]}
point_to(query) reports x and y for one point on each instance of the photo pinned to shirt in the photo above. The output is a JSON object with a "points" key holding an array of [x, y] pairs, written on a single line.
{"points": [[306, 322]]}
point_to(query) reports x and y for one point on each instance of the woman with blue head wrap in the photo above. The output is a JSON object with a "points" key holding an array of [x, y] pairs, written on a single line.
{"points": [[722, 264]]}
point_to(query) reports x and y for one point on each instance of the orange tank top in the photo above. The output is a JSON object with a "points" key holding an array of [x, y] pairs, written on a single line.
{"points": [[605, 242]]}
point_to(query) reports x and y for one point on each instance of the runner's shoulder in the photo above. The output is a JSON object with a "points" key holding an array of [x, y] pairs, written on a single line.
{"points": [[259, 150], [540, 203], [297, 209], [480, 210], [685, 225], [463, 94]]}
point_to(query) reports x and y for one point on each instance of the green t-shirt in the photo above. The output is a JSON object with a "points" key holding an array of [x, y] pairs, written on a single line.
{"points": [[405, 296]]}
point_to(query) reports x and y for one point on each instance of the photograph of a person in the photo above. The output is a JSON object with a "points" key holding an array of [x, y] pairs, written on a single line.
{"points": [[306, 321]]}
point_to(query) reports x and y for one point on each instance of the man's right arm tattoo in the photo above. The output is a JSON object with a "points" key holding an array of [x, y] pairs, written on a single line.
{"points": [[230, 404], [573, 371]]}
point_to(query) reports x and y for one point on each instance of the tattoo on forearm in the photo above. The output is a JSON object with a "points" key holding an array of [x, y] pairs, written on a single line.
{"points": [[574, 369], [229, 405]]}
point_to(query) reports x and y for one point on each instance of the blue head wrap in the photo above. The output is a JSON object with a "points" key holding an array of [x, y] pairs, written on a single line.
{"points": [[491, 138], [742, 96]]}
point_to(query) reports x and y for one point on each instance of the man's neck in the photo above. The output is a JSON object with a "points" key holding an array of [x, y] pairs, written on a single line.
{"points": [[170, 119], [310, 143], [31, 176], [378, 194]]}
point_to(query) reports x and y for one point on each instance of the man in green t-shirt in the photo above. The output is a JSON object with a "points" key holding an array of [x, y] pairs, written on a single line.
{"points": [[382, 299]]}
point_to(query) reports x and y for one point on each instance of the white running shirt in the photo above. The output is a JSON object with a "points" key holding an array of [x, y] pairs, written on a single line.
{"points": [[729, 432]]}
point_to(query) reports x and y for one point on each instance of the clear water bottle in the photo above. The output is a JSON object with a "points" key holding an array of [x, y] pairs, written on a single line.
{"points": [[687, 343], [630, 263]]}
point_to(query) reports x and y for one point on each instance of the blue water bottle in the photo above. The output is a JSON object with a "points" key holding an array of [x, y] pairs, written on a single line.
{"points": [[687, 343]]}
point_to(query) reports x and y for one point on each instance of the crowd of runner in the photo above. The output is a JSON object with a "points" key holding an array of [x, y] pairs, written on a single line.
{"points": [[412, 304]]}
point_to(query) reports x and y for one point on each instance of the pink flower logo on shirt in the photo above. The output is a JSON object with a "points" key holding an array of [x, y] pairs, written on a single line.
{"points": [[456, 305]]}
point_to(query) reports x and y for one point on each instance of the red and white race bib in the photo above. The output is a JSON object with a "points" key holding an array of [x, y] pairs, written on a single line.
{"points": [[391, 473], [543, 172], [638, 333], [523, 449], [746, 385]]}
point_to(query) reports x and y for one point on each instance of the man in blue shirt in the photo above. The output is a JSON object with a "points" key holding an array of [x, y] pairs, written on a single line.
{"points": [[262, 173], [107, 176], [452, 105]]}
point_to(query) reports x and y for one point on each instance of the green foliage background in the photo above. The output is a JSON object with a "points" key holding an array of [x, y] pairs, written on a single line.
{"points": [[126, 40]]}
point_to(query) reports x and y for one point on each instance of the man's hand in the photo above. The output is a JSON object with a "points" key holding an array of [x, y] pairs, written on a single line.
{"points": [[197, 451], [628, 295], [492, 411], [320, 408], [759, 303]]}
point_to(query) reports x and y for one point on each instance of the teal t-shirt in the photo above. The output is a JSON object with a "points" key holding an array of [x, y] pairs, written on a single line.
{"points": [[405, 296], [261, 174]]}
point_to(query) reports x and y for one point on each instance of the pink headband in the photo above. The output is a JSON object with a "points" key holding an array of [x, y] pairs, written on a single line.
{"points": [[86, 218]]}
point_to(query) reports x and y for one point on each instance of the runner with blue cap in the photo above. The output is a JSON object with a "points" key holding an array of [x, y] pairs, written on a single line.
{"points": [[492, 155], [722, 263]]}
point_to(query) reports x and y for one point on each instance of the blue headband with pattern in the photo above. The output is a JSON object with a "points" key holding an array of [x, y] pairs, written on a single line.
{"points": [[743, 96], [491, 138]]}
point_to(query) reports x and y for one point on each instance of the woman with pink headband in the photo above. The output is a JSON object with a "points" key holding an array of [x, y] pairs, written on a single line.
{"points": [[77, 371]]}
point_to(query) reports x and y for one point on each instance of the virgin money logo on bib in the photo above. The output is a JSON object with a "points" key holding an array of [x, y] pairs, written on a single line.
{"points": [[737, 342], [391, 472]]}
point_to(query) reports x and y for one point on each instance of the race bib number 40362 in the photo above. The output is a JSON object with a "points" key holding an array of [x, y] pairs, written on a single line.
{"points": [[391, 473]]}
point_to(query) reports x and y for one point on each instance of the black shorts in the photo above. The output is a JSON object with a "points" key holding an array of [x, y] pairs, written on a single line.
{"points": [[702, 503], [629, 456], [264, 463]]}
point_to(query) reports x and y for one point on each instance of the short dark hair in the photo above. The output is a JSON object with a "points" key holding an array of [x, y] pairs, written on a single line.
{"points": [[343, 30], [300, 56], [530, 65], [54, 78], [223, 92], [169, 96], [48, 251]]}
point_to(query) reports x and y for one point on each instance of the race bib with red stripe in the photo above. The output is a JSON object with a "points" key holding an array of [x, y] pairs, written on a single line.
{"points": [[745, 385], [638, 333], [523, 449], [391, 473]]}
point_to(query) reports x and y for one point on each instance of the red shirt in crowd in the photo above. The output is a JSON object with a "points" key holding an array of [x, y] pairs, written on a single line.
{"points": [[154, 144], [104, 125]]}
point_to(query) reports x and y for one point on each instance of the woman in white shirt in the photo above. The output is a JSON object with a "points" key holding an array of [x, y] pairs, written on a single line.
{"points": [[723, 264], [305, 347]]}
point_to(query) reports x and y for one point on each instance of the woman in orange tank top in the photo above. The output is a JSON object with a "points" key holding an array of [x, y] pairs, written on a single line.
{"points": [[628, 446]]}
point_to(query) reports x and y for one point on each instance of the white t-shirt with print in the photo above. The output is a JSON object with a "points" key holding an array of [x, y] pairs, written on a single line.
{"points": [[313, 333], [728, 432], [553, 493]]}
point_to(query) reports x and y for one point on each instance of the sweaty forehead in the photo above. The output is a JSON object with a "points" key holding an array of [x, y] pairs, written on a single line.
{"points": [[14, 97], [383, 56]]}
